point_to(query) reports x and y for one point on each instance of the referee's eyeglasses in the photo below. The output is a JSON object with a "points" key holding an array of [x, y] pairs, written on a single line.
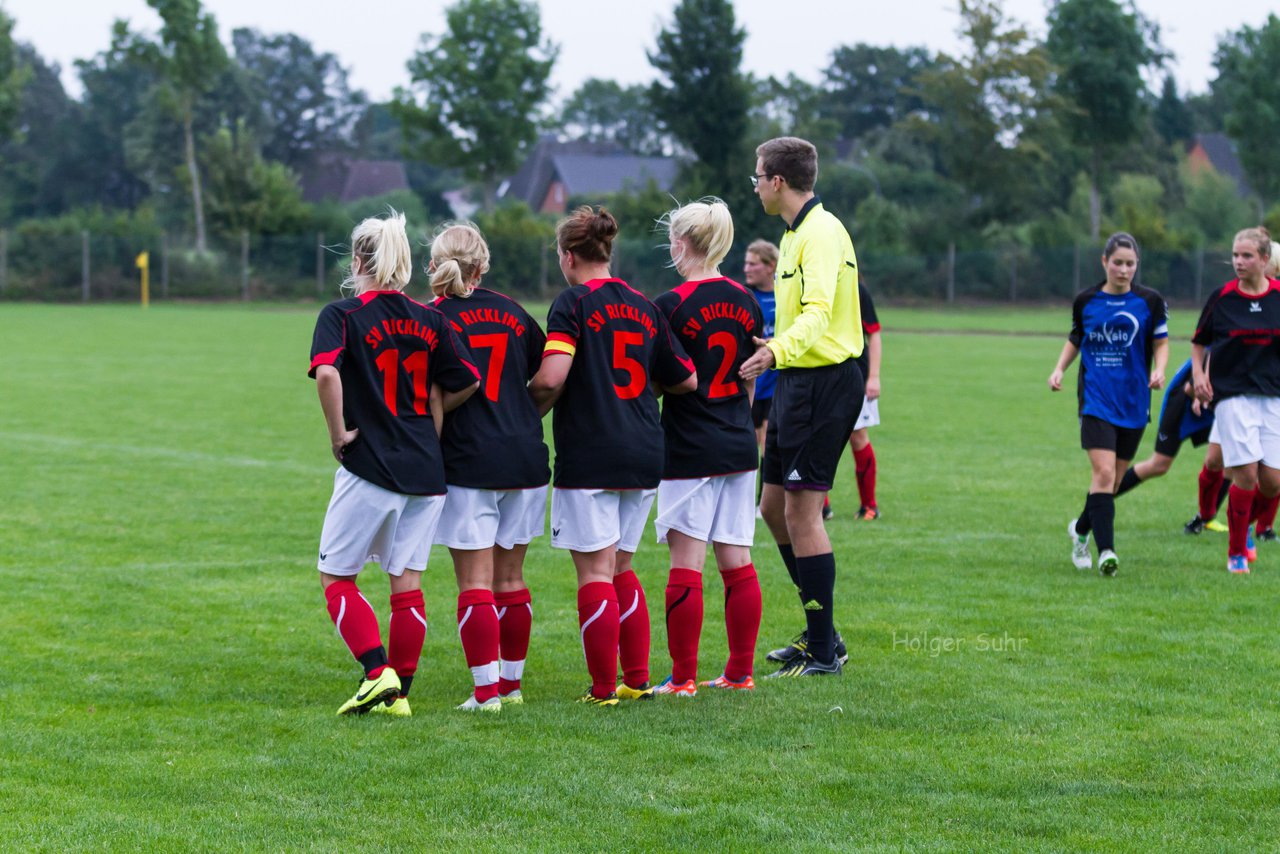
{"points": [[755, 179]]}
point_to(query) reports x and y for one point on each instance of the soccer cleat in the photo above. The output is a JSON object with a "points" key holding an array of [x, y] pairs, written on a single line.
{"points": [[800, 644], [681, 689], [1079, 548], [1267, 536], [385, 686], [514, 698], [805, 665], [491, 705], [397, 708], [722, 681], [1194, 527], [1108, 563], [592, 700], [1237, 564], [1215, 526], [868, 514], [626, 692], [827, 512], [1250, 547]]}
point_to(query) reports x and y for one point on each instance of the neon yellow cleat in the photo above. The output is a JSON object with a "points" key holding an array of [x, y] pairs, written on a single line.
{"points": [[626, 692], [592, 700], [515, 698], [1215, 526], [398, 708], [385, 686]]}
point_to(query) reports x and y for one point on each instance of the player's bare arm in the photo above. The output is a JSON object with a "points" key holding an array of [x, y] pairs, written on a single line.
{"points": [[874, 345], [329, 387], [548, 383], [1065, 358]]}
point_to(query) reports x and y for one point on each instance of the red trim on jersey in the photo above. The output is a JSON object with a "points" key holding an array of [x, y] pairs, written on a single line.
{"points": [[871, 328], [326, 358], [563, 338]]}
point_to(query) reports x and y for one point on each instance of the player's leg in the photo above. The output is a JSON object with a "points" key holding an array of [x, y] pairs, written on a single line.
{"points": [[684, 612], [406, 634], [864, 460], [742, 612], [515, 619], [1101, 505], [477, 615], [634, 641], [1269, 472]]}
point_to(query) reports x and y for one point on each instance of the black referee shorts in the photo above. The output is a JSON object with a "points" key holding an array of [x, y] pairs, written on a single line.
{"points": [[1103, 435], [760, 410], [1168, 441], [813, 413]]}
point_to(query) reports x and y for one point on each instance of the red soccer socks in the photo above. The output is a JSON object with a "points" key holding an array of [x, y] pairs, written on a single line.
{"points": [[405, 635], [515, 621], [1210, 485], [478, 630], [633, 629], [864, 462], [1240, 505], [357, 625], [598, 622], [684, 622], [742, 610]]}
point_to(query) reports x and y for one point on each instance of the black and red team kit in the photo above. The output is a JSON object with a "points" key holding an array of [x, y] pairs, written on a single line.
{"points": [[389, 349], [1242, 333], [494, 440], [606, 425], [710, 433]]}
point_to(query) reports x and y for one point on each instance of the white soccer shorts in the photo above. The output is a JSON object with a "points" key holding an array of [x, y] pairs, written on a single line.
{"points": [[477, 519], [368, 524], [587, 520], [870, 414], [711, 509], [1248, 429]]}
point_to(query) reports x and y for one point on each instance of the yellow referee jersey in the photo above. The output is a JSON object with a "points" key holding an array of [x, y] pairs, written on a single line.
{"points": [[816, 286]]}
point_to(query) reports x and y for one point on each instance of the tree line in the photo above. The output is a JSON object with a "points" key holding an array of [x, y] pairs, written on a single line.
{"points": [[1015, 141]]}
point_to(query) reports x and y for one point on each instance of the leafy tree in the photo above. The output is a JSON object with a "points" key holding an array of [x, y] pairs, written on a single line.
{"points": [[245, 191], [702, 98], [481, 86], [604, 111], [983, 110], [307, 103], [378, 135], [189, 58], [791, 107], [867, 87], [12, 76], [1213, 210], [1100, 48], [1173, 118], [1247, 62]]}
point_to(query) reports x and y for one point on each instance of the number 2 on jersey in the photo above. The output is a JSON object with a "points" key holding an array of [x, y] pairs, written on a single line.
{"points": [[726, 342], [497, 343], [415, 365]]}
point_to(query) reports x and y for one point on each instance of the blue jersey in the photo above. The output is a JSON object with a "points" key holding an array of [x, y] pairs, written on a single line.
{"points": [[1116, 335], [1190, 423], [769, 308]]}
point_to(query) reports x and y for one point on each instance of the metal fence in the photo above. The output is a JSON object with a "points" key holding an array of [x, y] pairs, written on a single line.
{"points": [[88, 267]]}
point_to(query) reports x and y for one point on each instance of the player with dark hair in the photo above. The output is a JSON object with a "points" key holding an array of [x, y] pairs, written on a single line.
{"points": [[757, 274], [379, 359], [707, 493], [606, 344], [818, 337], [1240, 330], [495, 463], [1119, 328]]}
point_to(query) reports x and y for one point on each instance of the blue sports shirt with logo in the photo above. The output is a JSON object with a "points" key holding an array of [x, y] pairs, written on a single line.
{"points": [[1116, 335]]}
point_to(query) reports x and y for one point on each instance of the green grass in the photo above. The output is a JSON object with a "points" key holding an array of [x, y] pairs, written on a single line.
{"points": [[171, 674]]}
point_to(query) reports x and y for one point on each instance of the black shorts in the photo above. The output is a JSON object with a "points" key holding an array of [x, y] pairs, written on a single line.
{"points": [[760, 410], [1167, 439], [813, 413], [1098, 434]]}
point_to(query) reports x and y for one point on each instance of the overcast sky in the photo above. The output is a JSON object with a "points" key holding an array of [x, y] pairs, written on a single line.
{"points": [[608, 39]]}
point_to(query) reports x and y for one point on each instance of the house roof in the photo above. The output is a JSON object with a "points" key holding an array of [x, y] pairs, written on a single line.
{"points": [[1221, 152], [586, 168], [343, 180]]}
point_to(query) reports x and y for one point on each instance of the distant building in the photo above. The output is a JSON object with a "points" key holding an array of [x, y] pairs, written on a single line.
{"points": [[341, 179], [555, 171], [1216, 151]]}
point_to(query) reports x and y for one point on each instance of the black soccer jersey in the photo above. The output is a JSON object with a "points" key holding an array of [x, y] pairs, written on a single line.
{"points": [[388, 350], [494, 440], [710, 433], [606, 424], [870, 325], [1242, 333]]}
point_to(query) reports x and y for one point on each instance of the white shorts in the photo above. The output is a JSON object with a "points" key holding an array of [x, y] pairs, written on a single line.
{"points": [[711, 509], [368, 524], [480, 518], [1248, 429], [870, 414], [587, 520]]}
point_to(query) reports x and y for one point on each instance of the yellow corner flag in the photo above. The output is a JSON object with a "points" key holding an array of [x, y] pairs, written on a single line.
{"points": [[143, 263]]}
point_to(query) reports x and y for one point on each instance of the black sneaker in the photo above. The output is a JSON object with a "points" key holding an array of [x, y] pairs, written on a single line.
{"points": [[800, 644], [827, 512], [1267, 536], [1195, 526], [805, 665]]}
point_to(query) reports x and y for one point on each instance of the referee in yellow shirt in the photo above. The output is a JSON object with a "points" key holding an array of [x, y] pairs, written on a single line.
{"points": [[817, 337]]}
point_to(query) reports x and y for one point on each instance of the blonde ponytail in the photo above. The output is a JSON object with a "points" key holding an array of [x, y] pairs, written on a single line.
{"points": [[459, 257], [381, 257]]}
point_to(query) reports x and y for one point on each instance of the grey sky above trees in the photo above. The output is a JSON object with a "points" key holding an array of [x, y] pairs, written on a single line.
{"points": [[608, 46]]}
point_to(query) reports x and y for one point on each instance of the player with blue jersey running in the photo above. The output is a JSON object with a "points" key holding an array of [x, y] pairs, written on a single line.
{"points": [[1120, 331]]}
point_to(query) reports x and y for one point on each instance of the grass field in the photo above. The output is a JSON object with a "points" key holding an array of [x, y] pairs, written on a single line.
{"points": [[171, 675]]}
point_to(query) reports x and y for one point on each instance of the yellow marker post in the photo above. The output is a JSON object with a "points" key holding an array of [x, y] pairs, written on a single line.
{"points": [[143, 262]]}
